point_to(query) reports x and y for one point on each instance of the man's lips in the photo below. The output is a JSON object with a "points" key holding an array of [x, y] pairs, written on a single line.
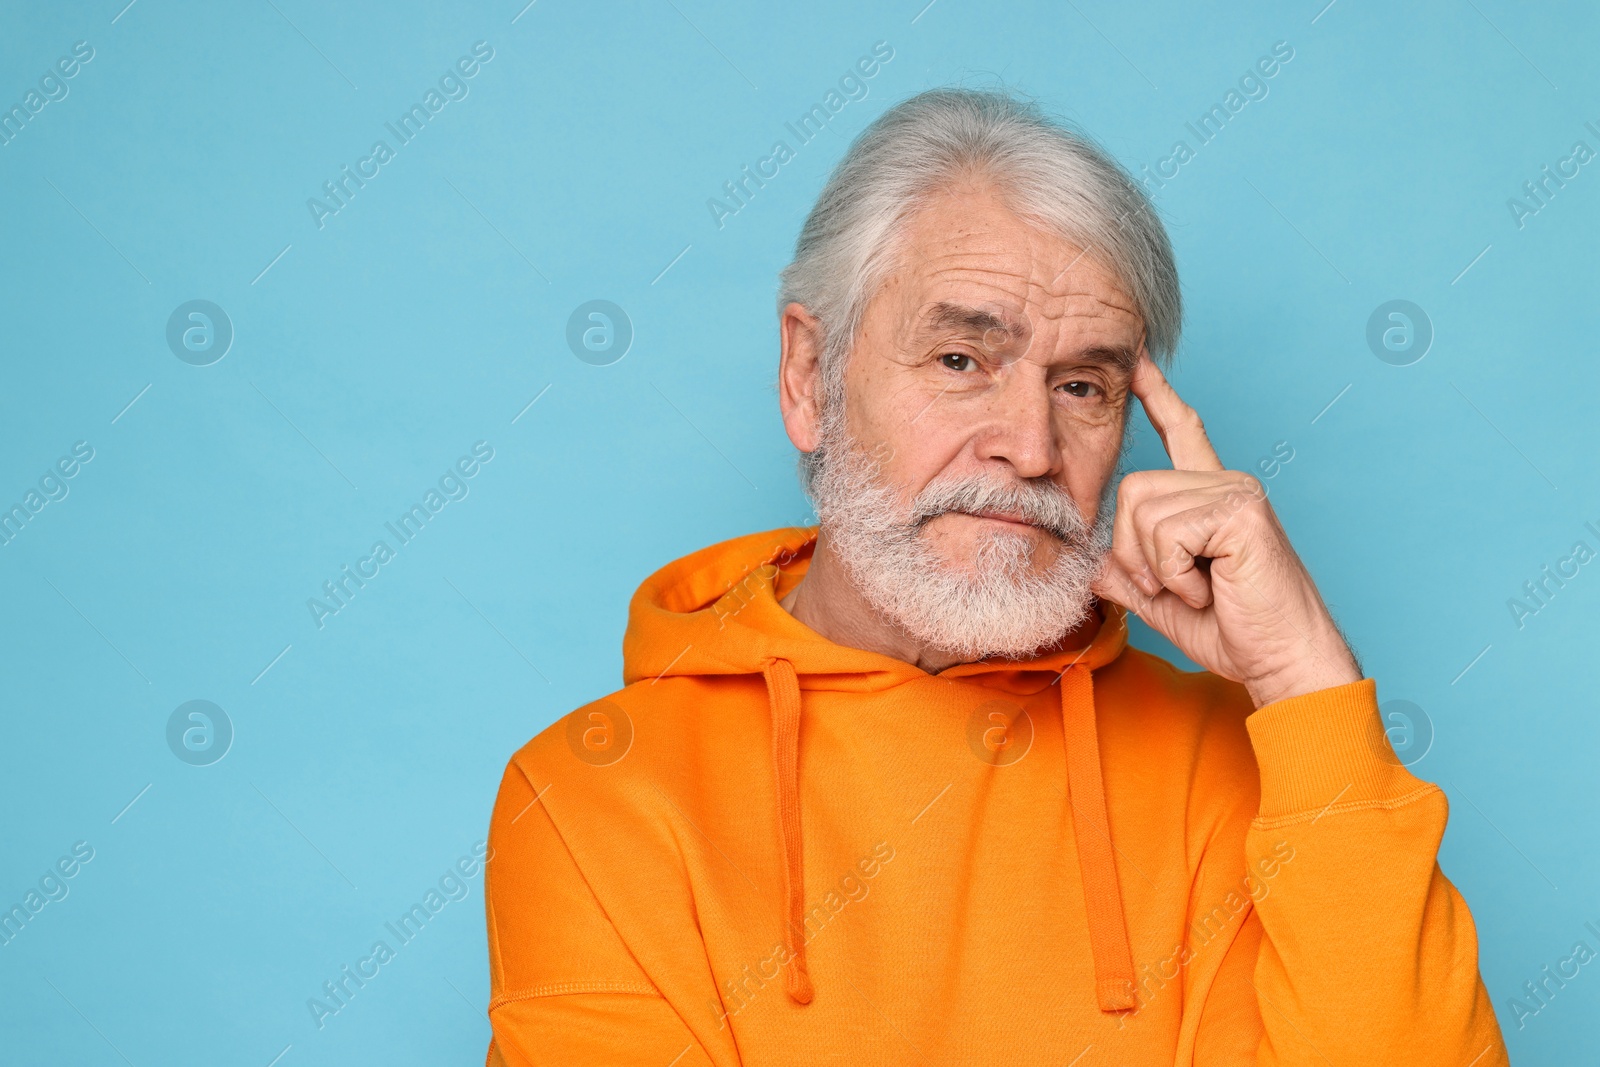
{"points": [[1015, 518]]}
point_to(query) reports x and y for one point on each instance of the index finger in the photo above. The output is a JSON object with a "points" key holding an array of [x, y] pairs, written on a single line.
{"points": [[1182, 433]]}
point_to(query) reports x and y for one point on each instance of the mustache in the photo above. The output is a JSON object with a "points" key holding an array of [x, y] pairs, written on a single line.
{"points": [[1043, 504]]}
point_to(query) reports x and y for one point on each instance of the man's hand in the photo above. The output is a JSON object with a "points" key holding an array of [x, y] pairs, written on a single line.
{"points": [[1198, 554]]}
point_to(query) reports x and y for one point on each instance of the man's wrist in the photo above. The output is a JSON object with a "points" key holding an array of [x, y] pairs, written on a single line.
{"points": [[1317, 671]]}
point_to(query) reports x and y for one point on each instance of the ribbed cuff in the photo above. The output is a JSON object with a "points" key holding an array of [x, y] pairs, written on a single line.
{"points": [[1325, 748]]}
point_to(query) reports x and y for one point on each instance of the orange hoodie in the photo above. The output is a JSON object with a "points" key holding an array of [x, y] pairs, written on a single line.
{"points": [[768, 848]]}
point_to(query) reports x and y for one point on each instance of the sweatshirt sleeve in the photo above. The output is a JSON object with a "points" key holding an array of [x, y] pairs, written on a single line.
{"points": [[564, 987], [1367, 953]]}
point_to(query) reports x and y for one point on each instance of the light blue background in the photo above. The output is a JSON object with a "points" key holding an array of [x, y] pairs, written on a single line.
{"points": [[429, 312]]}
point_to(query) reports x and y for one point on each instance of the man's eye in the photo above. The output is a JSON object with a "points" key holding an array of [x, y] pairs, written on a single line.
{"points": [[1081, 389], [958, 361]]}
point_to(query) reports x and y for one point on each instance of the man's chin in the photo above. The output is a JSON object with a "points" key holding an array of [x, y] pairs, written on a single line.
{"points": [[1017, 648], [1021, 552], [974, 574], [1017, 618]]}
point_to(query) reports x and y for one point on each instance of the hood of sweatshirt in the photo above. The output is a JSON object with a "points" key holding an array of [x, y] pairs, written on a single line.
{"points": [[716, 612]]}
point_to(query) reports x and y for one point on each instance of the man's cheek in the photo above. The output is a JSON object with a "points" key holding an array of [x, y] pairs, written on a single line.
{"points": [[1092, 435]]}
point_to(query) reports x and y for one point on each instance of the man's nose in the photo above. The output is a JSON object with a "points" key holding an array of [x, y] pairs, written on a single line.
{"points": [[1020, 429]]}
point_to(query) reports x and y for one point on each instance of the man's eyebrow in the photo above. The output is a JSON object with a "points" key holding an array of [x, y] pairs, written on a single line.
{"points": [[1118, 356], [946, 316]]}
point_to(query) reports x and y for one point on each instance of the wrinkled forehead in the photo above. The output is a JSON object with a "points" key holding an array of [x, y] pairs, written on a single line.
{"points": [[970, 266]]}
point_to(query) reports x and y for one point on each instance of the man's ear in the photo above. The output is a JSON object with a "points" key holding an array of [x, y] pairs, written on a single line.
{"points": [[800, 375]]}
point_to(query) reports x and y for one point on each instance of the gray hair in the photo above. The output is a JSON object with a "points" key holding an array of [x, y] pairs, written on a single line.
{"points": [[1053, 174]]}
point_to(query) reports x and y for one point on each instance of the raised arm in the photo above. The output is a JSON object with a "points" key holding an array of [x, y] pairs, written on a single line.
{"points": [[1362, 952]]}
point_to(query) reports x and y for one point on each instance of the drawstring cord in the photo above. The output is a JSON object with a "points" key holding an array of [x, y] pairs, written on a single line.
{"points": [[783, 697], [1108, 925]]}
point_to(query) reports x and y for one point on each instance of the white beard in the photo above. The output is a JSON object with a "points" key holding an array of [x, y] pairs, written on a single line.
{"points": [[998, 609]]}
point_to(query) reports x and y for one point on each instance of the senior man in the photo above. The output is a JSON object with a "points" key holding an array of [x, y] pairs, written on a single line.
{"points": [[894, 789]]}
